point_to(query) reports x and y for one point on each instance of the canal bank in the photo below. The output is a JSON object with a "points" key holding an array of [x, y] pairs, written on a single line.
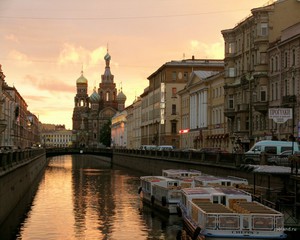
{"points": [[269, 185], [18, 172]]}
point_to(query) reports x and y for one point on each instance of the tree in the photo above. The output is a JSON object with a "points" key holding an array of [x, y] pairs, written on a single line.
{"points": [[105, 134]]}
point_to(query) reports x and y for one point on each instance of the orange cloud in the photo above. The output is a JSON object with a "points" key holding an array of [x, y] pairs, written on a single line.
{"points": [[213, 50], [16, 55], [50, 84], [77, 54]]}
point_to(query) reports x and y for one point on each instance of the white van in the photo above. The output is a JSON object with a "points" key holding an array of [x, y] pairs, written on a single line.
{"points": [[270, 148], [165, 148]]}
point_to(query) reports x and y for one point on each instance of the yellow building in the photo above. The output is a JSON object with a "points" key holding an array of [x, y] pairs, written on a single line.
{"points": [[160, 107], [57, 138], [202, 112]]}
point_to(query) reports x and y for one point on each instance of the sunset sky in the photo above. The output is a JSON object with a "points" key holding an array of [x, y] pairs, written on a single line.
{"points": [[44, 45]]}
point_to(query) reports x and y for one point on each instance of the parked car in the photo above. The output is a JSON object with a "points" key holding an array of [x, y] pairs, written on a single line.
{"points": [[148, 147], [165, 148], [212, 150], [282, 159]]}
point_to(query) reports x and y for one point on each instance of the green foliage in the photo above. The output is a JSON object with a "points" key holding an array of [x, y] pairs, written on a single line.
{"points": [[105, 134]]}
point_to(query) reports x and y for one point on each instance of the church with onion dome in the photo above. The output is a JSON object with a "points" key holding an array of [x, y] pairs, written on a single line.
{"points": [[91, 112]]}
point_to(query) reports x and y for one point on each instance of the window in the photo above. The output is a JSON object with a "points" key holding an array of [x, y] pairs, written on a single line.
{"points": [[173, 109], [286, 87], [174, 92], [272, 65], [263, 58], [231, 48], [263, 94], [238, 124], [247, 124], [174, 127], [107, 96], [231, 72], [264, 29], [174, 75], [285, 59], [270, 149], [293, 57], [185, 76], [230, 101]]}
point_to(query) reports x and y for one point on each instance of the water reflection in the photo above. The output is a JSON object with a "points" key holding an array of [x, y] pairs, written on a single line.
{"points": [[82, 197]]}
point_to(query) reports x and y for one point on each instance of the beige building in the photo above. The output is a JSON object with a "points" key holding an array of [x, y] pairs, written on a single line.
{"points": [[119, 130], [133, 122], [202, 112], [247, 85], [160, 112], [284, 75], [59, 138]]}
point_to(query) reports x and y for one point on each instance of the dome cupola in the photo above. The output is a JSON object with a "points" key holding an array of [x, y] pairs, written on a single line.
{"points": [[82, 79], [95, 97], [121, 97]]}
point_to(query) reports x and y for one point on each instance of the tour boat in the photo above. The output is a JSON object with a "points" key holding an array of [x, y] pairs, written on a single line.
{"points": [[229, 213], [162, 192], [229, 181]]}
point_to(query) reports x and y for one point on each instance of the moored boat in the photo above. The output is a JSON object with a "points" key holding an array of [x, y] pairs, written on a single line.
{"points": [[230, 213], [162, 192], [229, 181]]}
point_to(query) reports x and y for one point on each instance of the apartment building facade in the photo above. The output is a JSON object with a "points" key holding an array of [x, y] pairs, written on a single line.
{"points": [[160, 107], [247, 84], [19, 128], [284, 75], [119, 129], [57, 138], [203, 123], [134, 124]]}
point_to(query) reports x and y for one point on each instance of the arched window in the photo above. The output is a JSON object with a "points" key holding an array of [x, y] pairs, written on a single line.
{"points": [[107, 96]]}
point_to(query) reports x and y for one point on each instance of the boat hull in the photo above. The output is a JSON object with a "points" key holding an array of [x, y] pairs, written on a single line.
{"points": [[162, 205]]}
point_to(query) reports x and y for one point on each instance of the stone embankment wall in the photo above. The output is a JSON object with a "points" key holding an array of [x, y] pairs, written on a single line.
{"points": [[18, 170], [153, 165]]}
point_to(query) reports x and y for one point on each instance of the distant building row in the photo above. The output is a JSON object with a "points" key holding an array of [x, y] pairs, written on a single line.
{"points": [[19, 128], [198, 103]]}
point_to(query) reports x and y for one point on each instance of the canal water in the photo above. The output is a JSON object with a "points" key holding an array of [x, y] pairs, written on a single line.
{"points": [[83, 197]]}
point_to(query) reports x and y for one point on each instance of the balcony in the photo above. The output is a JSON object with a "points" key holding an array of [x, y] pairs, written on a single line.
{"points": [[229, 112], [289, 100], [261, 107]]}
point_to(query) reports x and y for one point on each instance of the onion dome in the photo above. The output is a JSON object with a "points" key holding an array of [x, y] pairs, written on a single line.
{"points": [[82, 79], [107, 57], [121, 97], [95, 97]]}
